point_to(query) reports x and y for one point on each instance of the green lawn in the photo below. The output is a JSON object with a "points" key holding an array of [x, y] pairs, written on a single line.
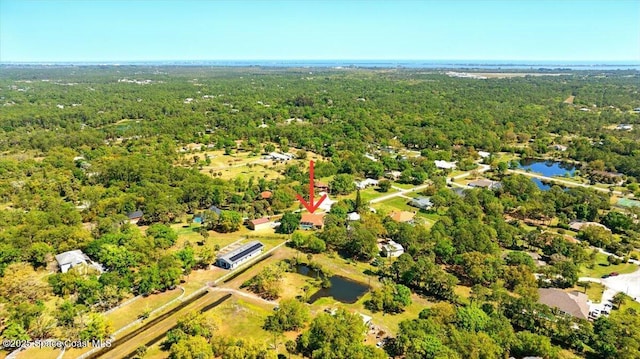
{"points": [[594, 292], [602, 267]]}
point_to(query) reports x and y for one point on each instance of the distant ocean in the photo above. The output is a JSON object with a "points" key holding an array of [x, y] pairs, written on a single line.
{"points": [[413, 64]]}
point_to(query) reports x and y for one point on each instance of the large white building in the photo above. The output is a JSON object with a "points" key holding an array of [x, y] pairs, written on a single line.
{"points": [[240, 255]]}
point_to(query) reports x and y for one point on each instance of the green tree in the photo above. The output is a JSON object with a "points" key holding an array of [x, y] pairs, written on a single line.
{"points": [[229, 221], [384, 186], [195, 347], [289, 223]]}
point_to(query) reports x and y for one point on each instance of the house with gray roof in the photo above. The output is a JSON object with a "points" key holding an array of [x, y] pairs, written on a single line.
{"points": [[421, 202], [570, 303], [70, 259]]}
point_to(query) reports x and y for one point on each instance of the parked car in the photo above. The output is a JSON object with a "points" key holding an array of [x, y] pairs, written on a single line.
{"points": [[613, 274], [606, 276]]}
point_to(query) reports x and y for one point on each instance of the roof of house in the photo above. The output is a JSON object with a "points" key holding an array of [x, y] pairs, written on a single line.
{"points": [[607, 174], [393, 246], [259, 221], [242, 251], [135, 214], [577, 225], [366, 182], [320, 184], [484, 154], [353, 216], [574, 303], [215, 210], [316, 219], [71, 257], [484, 183], [266, 194], [445, 164], [421, 202], [402, 216]]}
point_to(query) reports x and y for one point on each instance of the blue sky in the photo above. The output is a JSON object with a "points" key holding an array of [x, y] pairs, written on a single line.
{"points": [[120, 30]]}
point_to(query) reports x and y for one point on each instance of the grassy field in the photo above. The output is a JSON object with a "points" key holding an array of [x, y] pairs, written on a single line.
{"points": [[594, 292], [603, 267]]}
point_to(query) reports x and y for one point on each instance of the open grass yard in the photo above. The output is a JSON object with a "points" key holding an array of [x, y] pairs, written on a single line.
{"points": [[38, 353], [130, 312], [370, 193], [402, 185], [594, 291], [602, 267]]}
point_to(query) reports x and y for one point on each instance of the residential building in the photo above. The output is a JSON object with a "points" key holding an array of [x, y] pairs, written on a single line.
{"points": [[282, 157], [607, 177], [259, 223], [393, 175], [624, 127], [215, 210], [266, 195], [402, 216], [421, 202], [445, 165], [484, 154], [322, 187], [560, 148], [578, 225], [366, 155], [240, 255], [366, 183], [135, 216], [353, 216], [327, 203], [570, 303], [485, 183], [70, 259], [312, 221], [392, 249]]}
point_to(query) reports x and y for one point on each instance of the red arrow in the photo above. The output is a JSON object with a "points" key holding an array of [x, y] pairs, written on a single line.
{"points": [[310, 206]]}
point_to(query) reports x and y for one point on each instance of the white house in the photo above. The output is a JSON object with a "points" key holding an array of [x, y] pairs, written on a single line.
{"points": [[70, 259], [327, 203], [353, 216], [445, 165], [392, 249], [366, 155], [283, 157], [484, 154], [366, 183]]}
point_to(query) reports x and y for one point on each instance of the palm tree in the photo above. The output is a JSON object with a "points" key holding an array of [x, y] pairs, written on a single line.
{"points": [[619, 299]]}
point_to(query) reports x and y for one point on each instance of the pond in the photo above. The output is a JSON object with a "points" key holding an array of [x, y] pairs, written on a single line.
{"points": [[342, 289], [548, 168]]}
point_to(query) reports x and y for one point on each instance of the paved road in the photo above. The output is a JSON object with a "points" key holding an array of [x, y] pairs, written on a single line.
{"points": [[564, 182], [626, 283]]}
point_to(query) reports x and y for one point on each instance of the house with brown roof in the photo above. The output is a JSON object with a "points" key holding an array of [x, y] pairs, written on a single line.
{"points": [[321, 187], [402, 216], [570, 303], [259, 223], [266, 195], [312, 221]]}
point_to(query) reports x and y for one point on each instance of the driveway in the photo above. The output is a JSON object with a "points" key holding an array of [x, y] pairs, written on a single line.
{"points": [[626, 283]]}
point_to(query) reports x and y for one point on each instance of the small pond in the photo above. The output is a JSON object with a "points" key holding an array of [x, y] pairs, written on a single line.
{"points": [[342, 289], [548, 168]]}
